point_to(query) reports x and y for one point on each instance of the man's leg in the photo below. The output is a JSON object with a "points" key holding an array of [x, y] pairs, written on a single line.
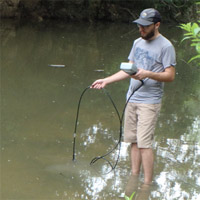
{"points": [[140, 120], [147, 163], [136, 159], [144, 156], [132, 185], [144, 192], [147, 117]]}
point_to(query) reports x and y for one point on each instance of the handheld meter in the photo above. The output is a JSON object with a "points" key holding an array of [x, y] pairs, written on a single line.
{"points": [[129, 68]]}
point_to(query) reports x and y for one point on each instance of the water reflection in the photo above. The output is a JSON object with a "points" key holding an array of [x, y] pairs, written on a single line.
{"points": [[38, 107]]}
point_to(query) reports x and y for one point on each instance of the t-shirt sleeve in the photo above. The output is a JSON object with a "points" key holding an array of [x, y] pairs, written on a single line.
{"points": [[169, 57]]}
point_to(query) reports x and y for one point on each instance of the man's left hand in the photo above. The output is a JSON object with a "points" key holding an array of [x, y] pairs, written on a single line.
{"points": [[141, 74]]}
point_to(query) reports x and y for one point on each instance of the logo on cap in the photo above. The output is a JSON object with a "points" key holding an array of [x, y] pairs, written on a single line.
{"points": [[144, 14]]}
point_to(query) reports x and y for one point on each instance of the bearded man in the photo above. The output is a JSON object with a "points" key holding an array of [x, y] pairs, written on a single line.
{"points": [[155, 58]]}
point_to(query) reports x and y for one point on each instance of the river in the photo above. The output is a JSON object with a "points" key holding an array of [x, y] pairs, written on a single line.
{"points": [[38, 111]]}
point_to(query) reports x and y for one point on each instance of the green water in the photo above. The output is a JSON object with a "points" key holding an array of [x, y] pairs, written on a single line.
{"points": [[38, 110]]}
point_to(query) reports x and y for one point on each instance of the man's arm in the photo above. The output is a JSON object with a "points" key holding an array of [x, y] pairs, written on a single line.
{"points": [[166, 76], [101, 83]]}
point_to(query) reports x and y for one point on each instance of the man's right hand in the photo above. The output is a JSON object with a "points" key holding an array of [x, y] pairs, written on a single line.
{"points": [[99, 84]]}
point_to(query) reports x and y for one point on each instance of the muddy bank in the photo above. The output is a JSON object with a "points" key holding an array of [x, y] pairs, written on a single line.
{"points": [[95, 10]]}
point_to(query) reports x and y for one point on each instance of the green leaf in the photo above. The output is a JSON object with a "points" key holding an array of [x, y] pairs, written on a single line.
{"points": [[193, 58], [129, 198], [185, 38], [186, 27], [196, 40], [198, 48], [132, 195], [194, 44], [189, 34], [196, 31], [126, 198]]}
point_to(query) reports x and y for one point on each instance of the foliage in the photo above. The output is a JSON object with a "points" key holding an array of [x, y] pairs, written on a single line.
{"points": [[130, 198], [193, 34]]}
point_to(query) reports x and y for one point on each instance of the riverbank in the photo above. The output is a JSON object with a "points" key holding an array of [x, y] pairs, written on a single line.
{"points": [[95, 10]]}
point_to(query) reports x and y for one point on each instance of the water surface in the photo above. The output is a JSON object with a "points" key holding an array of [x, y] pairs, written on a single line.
{"points": [[38, 110]]}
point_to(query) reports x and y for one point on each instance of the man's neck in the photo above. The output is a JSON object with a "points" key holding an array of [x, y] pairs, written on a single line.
{"points": [[155, 36]]}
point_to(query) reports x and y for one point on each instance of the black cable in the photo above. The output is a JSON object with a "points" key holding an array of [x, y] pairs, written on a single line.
{"points": [[76, 122], [120, 134], [77, 115], [120, 131]]}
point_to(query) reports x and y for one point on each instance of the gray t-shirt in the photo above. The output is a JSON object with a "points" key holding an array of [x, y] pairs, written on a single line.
{"points": [[155, 55]]}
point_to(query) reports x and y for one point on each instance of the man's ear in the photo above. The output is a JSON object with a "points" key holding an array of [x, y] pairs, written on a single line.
{"points": [[157, 25]]}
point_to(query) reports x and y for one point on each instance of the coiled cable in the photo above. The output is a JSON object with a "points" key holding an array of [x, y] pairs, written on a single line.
{"points": [[113, 166]]}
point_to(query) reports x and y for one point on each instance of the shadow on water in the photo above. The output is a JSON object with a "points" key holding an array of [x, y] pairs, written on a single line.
{"points": [[38, 109]]}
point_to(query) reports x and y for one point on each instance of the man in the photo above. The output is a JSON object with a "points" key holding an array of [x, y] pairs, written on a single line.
{"points": [[155, 59]]}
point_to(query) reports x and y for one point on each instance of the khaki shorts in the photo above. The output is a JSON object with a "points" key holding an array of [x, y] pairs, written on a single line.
{"points": [[139, 124]]}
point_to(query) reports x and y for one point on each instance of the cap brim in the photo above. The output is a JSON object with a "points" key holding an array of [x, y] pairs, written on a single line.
{"points": [[142, 22]]}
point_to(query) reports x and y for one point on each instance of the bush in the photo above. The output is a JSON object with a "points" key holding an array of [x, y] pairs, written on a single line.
{"points": [[193, 34]]}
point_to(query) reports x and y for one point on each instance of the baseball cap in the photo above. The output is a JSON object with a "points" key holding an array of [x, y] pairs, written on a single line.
{"points": [[148, 17]]}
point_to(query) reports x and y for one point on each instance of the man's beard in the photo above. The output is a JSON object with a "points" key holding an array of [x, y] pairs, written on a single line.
{"points": [[149, 35]]}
